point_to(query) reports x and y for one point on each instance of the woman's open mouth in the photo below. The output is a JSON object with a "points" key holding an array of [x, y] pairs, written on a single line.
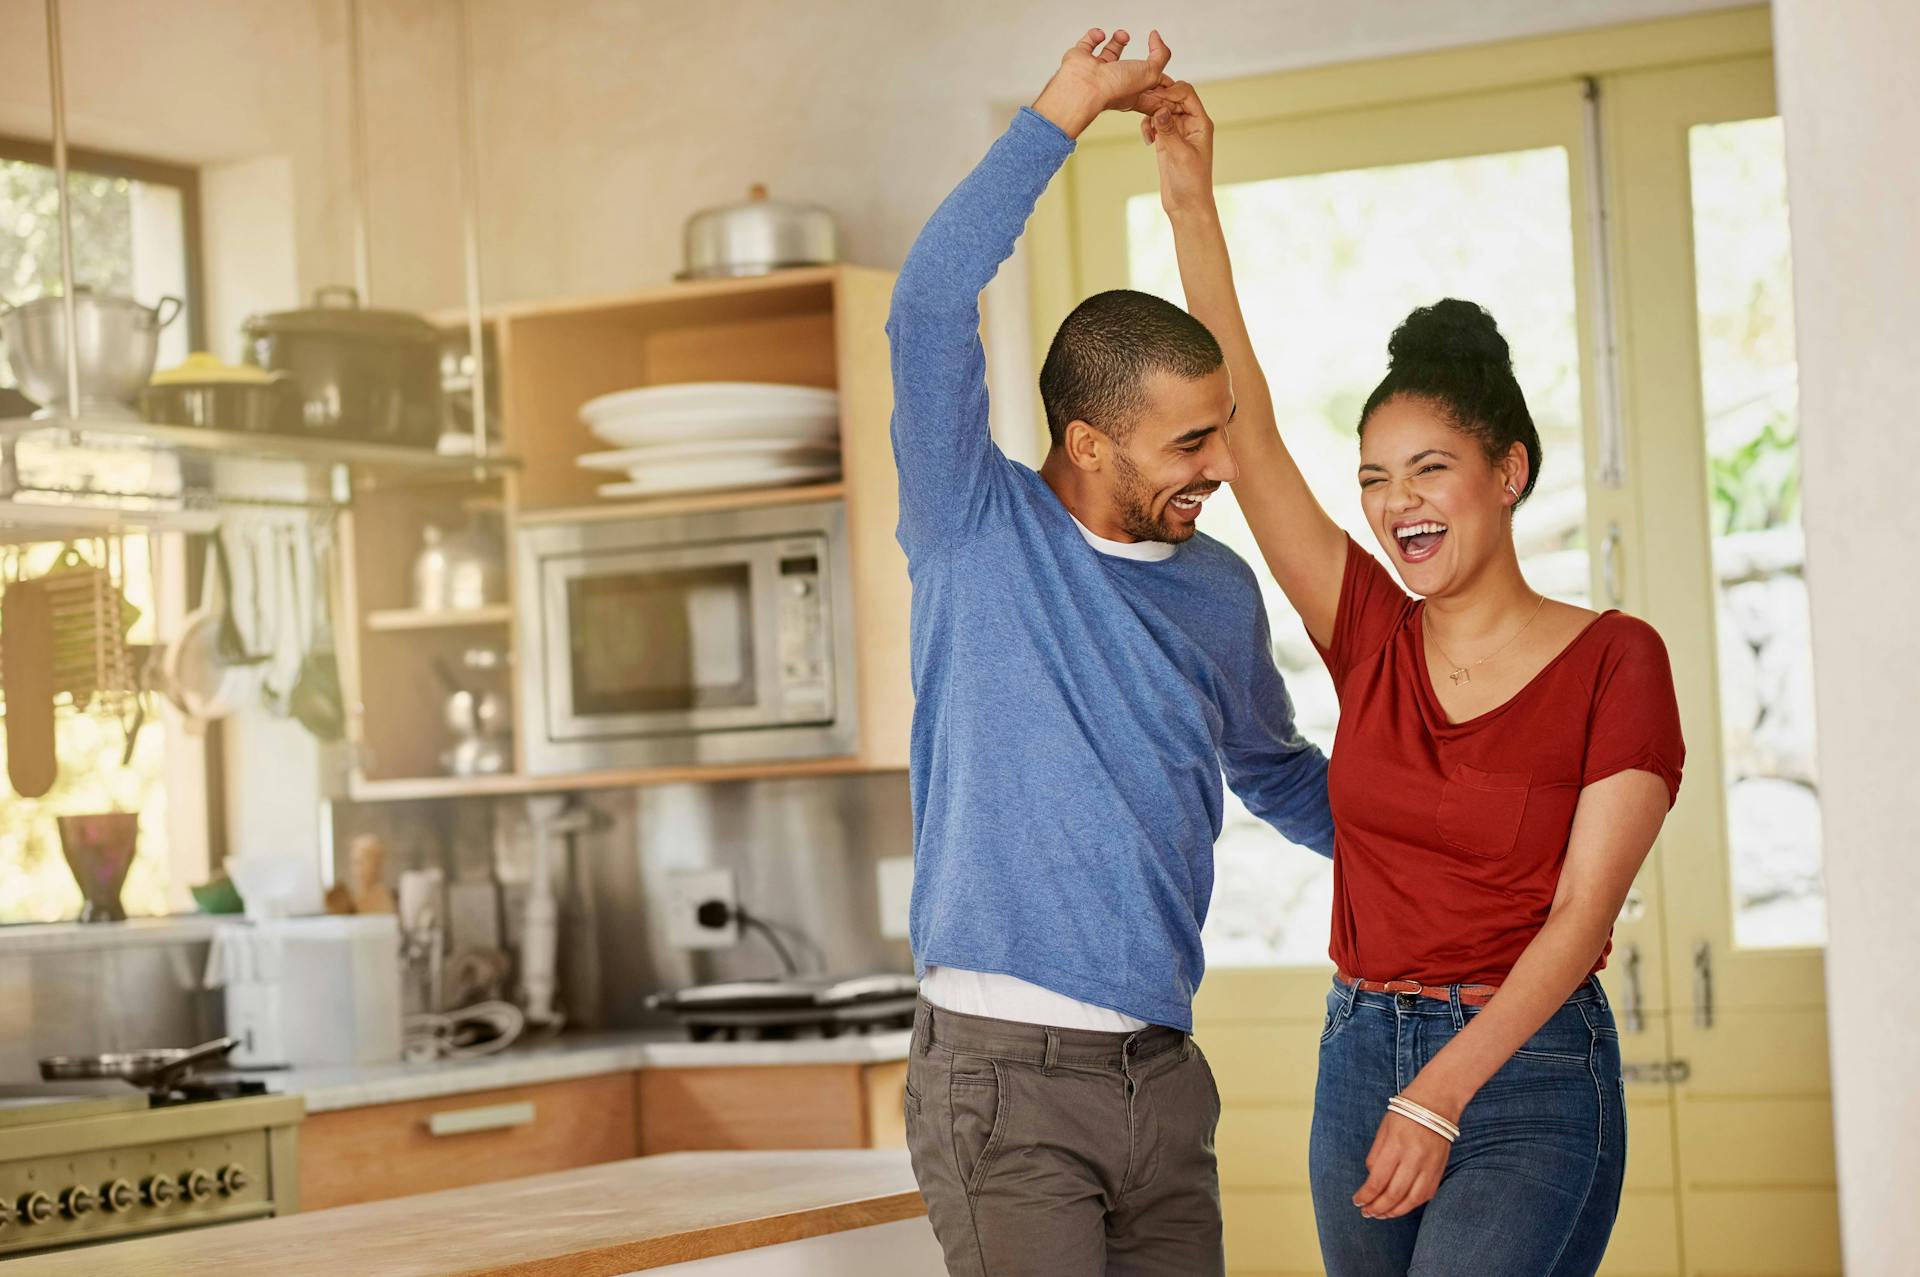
{"points": [[1419, 541]]}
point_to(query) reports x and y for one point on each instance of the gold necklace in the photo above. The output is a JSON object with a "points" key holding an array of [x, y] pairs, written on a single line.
{"points": [[1461, 673]]}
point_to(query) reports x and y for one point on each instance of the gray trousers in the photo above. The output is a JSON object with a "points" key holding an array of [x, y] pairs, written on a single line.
{"points": [[1064, 1152]]}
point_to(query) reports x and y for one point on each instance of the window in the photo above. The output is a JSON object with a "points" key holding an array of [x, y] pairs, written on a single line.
{"points": [[135, 232]]}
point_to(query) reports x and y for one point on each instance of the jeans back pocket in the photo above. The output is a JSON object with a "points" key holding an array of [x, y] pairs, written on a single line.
{"points": [[1480, 811]]}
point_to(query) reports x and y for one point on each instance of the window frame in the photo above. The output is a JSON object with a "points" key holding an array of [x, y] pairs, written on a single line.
{"points": [[135, 168]]}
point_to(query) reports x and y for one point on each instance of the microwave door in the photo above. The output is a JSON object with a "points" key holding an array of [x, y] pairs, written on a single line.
{"points": [[664, 642]]}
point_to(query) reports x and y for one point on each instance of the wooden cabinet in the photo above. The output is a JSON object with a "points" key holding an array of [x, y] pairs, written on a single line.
{"points": [[815, 327], [420, 1146]]}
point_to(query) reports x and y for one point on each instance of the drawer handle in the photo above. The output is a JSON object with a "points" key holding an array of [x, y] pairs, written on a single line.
{"points": [[492, 1117]]}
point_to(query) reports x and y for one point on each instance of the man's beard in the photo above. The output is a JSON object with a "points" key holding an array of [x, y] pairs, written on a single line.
{"points": [[1133, 498]]}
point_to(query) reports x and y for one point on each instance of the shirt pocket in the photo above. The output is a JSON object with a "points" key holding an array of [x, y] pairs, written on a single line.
{"points": [[1480, 812]]}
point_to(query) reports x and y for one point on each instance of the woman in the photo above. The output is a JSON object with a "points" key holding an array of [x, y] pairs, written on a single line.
{"points": [[1502, 766]]}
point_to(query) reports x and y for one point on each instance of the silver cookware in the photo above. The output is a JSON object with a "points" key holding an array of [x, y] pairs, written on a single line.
{"points": [[757, 237], [116, 338], [154, 1069]]}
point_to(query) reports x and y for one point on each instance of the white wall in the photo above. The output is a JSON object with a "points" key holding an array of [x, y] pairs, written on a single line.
{"points": [[1852, 113]]}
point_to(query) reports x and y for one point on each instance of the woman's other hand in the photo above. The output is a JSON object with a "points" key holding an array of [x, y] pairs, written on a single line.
{"points": [[1403, 1168]]}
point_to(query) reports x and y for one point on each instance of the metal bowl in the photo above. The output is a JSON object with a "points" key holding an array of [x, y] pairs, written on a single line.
{"points": [[758, 237], [116, 337]]}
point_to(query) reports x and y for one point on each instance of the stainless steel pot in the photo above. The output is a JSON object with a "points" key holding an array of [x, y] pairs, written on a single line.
{"points": [[757, 237], [116, 337], [361, 374]]}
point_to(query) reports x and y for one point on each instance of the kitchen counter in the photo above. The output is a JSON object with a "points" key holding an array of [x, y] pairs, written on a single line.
{"points": [[599, 1221], [568, 1056]]}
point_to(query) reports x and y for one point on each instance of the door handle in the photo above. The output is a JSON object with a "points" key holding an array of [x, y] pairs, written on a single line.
{"points": [[1702, 985], [1656, 1073], [1631, 1019], [1610, 565]]}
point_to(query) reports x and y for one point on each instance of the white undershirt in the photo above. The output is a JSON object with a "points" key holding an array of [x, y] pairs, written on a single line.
{"points": [[1005, 997]]}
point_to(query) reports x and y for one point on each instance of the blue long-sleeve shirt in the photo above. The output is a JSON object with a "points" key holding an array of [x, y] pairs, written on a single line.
{"points": [[1074, 710]]}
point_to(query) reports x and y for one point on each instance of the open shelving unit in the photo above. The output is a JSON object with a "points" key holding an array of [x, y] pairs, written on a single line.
{"points": [[820, 326]]}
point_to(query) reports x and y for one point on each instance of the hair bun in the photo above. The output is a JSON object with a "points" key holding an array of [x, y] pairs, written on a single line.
{"points": [[1449, 331]]}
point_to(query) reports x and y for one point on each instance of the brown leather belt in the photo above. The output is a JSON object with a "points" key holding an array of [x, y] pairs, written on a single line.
{"points": [[1473, 995]]}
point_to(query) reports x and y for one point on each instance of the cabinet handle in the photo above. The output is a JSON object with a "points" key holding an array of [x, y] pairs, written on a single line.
{"points": [[1631, 1019], [1610, 565], [1703, 985], [492, 1117]]}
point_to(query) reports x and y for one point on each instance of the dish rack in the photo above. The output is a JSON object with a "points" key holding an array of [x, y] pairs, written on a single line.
{"points": [[95, 667]]}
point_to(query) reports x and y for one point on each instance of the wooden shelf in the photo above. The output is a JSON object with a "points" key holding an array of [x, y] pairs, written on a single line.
{"points": [[402, 789], [693, 503], [408, 618]]}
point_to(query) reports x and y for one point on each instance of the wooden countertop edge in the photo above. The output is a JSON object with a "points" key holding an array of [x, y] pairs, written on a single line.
{"points": [[720, 1239]]}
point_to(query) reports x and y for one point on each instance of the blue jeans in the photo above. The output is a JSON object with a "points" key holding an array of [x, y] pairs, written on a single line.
{"points": [[1532, 1186]]}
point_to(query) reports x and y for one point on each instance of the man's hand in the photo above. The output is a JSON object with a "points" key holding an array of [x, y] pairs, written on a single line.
{"points": [[1092, 79], [1181, 134]]}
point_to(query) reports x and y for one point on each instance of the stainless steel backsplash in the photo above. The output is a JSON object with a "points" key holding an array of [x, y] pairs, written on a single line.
{"points": [[804, 854], [72, 999]]}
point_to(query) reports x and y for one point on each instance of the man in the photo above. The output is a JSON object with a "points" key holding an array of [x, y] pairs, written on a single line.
{"points": [[1085, 664]]}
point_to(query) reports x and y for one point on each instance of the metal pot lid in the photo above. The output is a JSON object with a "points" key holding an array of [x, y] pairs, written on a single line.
{"points": [[759, 203], [337, 312], [204, 369]]}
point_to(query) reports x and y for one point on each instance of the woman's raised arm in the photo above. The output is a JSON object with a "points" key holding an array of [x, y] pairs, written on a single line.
{"points": [[1304, 548]]}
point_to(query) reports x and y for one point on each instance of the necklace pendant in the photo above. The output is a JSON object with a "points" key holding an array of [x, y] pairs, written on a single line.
{"points": [[1460, 676]]}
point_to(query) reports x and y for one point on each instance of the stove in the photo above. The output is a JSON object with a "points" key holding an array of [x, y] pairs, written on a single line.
{"points": [[91, 1162], [792, 1007]]}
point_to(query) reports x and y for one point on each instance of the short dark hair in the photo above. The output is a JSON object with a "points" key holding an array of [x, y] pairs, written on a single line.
{"points": [[1451, 355], [1106, 347]]}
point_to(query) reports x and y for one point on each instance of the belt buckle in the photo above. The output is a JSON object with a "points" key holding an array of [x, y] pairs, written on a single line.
{"points": [[1413, 988]]}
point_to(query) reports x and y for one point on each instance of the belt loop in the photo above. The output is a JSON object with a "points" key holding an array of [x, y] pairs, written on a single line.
{"points": [[923, 1026], [1186, 1047], [1453, 1005], [1053, 1053], [1353, 992]]}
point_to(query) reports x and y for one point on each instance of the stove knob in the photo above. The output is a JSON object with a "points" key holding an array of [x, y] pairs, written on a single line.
{"points": [[118, 1195], [198, 1183], [234, 1179], [160, 1190], [77, 1201], [36, 1208]]}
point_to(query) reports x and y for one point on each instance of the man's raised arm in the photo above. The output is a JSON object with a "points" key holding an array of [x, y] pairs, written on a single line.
{"points": [[941, 445]]}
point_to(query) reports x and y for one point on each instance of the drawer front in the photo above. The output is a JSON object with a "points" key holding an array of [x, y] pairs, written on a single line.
{"points": [[765, 1107], [420, 1146]]}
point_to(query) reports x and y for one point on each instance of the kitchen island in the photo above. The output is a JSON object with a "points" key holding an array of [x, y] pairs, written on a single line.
{"points": [[848, 1213]]}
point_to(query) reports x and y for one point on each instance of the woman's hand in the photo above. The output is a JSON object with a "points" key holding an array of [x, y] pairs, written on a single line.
{"points": [[1404, 1167], [1181, 134], [1092, 79]]}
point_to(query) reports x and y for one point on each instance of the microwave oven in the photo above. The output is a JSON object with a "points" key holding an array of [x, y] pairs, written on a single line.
{"points": [[703, 638]]}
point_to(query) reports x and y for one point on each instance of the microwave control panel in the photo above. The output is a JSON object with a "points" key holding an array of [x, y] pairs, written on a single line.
{"points": [[806, 636]]}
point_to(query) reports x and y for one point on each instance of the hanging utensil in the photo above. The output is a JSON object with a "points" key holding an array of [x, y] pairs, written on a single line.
{"points": [[317, 702], [26, 639]]}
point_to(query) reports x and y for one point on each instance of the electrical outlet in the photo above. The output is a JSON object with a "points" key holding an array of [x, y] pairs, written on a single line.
{"points": [[687, 890]]}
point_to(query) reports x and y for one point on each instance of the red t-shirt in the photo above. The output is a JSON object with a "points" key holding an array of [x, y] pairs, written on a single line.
{"points": [[1449, 837]]}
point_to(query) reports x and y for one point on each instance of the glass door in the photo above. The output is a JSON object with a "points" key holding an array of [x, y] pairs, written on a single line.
{"points": [[1699, 177]]}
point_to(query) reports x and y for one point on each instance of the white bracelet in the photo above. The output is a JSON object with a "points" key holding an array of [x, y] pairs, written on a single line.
{"points": [[1424, 1116]]}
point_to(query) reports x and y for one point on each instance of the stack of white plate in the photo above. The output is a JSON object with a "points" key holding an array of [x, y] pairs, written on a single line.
{"points": [[710, 435]]}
